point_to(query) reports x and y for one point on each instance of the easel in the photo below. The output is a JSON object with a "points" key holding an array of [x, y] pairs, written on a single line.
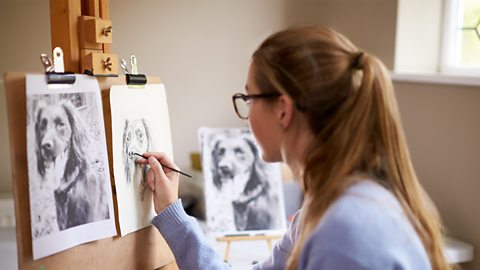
{"points": [[229, 239], [144, 249]]}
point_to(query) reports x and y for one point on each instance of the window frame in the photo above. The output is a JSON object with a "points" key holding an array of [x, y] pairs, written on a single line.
{"points": [[451, 40]]}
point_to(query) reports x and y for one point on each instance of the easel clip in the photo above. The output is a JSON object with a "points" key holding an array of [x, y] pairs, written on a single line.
{"points": [[133, 79], [55, 70]]}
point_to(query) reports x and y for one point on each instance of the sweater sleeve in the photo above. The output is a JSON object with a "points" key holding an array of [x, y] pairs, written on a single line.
{"points": [[186, 240]]}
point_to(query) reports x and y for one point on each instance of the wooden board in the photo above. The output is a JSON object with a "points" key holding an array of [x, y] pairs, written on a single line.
{"points": [[105, 14], [144, 249], [64, 31]]}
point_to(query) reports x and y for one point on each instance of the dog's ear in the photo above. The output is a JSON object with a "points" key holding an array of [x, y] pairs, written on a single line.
{"points": [[124, 141], [215, 152], [125, 151], [217, 181], [80, 140], [252, 147], [38, 143], [148, 135], [258, 175]]}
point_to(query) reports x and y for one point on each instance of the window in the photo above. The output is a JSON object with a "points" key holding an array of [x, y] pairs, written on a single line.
{"points": [[461, 40]]}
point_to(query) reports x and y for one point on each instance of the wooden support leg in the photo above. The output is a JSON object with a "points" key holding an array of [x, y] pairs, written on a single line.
{"points": [[229, 239], [227, 252], [269, 243]]}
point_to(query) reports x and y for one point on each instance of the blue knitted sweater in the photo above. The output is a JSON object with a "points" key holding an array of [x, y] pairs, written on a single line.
{"points": [[364, 229]]}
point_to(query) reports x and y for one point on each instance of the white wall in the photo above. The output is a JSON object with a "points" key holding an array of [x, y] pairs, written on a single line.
{"points": [[443, 131], [200, 49], [418, 35]]}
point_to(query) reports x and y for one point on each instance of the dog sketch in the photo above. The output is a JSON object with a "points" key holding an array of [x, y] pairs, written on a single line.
{"points": [[241, 181], [136, 139], [63, 158]]}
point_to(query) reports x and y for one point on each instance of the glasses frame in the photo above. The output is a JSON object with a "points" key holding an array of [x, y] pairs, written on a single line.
{"points": [[247, 99]]}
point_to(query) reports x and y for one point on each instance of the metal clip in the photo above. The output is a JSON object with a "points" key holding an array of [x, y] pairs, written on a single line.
{"points": [[123, 64], [46, 62], [58, 65], [107, 30], [107, 64], [133, 63], [134, 80]]}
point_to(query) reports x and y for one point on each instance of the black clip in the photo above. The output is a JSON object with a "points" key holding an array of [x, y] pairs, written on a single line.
{"points": [[60, 78], [133, 78], [136, 79], [55, 70]]}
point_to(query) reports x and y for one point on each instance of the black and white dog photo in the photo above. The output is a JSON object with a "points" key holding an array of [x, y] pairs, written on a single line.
{"points": [[244, 191], [66, 159]]}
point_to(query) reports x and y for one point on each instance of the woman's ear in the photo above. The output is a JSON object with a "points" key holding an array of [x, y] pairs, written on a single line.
{"points": [[285, 110]]}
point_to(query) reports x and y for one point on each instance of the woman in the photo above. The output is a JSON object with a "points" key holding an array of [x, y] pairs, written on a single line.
{"points": [[328, 110]]}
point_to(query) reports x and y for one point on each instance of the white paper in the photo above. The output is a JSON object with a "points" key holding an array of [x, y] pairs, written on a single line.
{"points": [[140, 123], [68, 174], [243, 193]]}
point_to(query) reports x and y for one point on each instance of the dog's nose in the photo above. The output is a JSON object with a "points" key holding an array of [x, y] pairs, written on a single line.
{"points": [[47, 146], [225, 170]]}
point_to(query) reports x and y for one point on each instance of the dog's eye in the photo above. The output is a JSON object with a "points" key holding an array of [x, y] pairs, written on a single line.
{"points": [[43, 124], [140, 135], [239, 151], [59, 123]]}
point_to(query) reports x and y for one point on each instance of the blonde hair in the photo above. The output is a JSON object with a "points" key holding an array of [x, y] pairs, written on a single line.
{"points": [[349, 102]]}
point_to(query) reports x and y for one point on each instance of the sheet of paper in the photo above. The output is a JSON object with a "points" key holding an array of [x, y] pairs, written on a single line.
{"points": [[140, 123], [243, 193], [68, 174]]}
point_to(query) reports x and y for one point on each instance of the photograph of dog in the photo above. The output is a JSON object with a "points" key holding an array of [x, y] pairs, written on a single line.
{"points": [[66, 170], [136, 139], [242, 192]]}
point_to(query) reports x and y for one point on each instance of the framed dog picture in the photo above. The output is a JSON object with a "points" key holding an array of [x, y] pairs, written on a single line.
{"points": [[140, 123], [68, 174], [242, 192]]}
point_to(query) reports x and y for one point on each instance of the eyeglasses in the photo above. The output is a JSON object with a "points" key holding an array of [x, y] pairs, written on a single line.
{"points": [[241, 102]]}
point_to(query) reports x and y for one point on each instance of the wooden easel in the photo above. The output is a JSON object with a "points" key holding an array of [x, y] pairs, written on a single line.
{"points": [[230, 239], [82, 28], [144, 249]]}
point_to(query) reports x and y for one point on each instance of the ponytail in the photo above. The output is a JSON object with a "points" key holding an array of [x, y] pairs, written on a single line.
{"points": [[348, 100]]}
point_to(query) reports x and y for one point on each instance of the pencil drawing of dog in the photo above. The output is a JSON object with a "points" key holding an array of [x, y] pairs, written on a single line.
{"points": [[63, 157], [136, 139], [236, 165]]}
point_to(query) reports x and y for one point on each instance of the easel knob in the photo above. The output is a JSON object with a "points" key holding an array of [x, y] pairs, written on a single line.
{"points": [[107, 30]]}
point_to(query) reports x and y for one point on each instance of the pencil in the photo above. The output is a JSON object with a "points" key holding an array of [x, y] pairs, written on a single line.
{"points": [[165, 166]]}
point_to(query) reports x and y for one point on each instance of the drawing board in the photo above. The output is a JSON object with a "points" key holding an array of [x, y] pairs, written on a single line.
{"points": [[140, 123], [143, 249]]}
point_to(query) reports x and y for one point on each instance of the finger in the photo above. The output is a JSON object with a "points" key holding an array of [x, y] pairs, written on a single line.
{"points": [[157, 169], [141, 159], [162, 158], [151, 179]]}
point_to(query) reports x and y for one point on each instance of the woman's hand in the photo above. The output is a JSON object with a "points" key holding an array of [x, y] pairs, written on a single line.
{"points": [[161, 180]]}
